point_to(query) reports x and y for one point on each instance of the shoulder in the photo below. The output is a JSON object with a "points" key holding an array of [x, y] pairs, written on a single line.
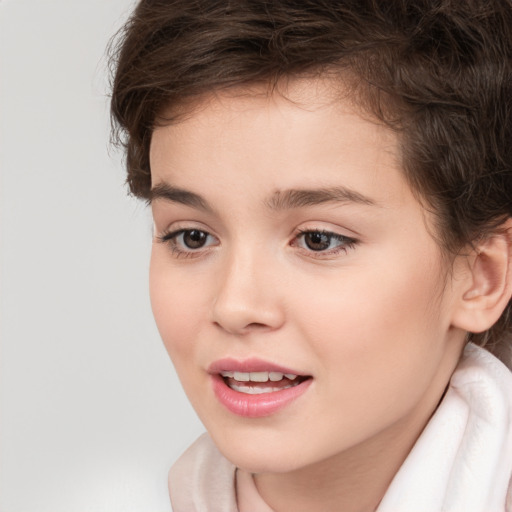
{"points": [[462, 460], [202, 480], [484, 384]]}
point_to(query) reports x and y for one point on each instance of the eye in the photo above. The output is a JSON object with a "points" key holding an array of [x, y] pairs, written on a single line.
{"points": [[193, 239], [186, 242], [323, 241]]}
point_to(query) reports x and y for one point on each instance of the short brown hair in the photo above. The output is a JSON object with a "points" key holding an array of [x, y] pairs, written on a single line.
{"points": [[439, 72]]}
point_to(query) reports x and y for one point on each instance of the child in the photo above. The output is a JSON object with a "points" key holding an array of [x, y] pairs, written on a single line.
{"points": [[331, 187]]}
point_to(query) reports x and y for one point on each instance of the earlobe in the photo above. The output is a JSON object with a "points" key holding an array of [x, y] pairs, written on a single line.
{"points": [[488, 286]]}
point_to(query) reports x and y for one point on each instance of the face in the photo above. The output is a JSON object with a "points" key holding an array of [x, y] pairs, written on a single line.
{"points": [[294, 278]]}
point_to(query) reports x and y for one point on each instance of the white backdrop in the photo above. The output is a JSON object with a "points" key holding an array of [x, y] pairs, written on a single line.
{"points": [[92, 415]]}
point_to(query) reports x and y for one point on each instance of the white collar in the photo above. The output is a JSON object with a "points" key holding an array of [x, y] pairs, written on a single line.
{"points": [[462, 461]]}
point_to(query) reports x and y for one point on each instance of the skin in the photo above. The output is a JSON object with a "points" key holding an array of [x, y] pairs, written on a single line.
{"points": [[371, 318]]}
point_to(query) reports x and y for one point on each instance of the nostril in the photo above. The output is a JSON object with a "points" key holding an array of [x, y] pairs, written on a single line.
{"points": [[256, 325], [253, 326]]}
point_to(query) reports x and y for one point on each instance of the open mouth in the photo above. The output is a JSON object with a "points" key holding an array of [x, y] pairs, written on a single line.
{"points": [[255, 388], [257, 383]]}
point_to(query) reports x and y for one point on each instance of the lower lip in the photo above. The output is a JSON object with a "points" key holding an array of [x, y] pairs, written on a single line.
{"points": [[256, 406]]}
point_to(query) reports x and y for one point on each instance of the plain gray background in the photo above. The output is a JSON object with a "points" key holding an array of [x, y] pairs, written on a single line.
{"points": [[92, 415]]}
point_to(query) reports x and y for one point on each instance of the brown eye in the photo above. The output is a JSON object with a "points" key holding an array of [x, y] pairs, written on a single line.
{"points": [[189, 243], [194, 238], [317, 241], [324, 243]]}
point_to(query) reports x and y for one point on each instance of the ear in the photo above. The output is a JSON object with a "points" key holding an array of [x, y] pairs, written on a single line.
{"points": [[486, 287]]}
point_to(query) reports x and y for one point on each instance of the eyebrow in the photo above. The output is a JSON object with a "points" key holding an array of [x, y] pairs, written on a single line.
{"points": [[178, 195], [280, 200], [297, 198]]}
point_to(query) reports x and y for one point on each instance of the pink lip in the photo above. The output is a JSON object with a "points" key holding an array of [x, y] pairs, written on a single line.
{"points": [[253, 406], [253, 364]]}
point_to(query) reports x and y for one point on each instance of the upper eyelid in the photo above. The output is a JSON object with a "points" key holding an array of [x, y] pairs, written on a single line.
{"points": [[324, 231], [331, 234], [172, 233], [182, 225], [320, 230]]}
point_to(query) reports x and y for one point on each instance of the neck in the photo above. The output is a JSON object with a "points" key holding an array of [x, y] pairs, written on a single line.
{"points": [[352, 482]]}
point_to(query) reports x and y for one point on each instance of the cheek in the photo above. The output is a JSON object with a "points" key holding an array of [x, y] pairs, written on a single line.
{"points": [[375, 316], [378, 339], [175, 308]]}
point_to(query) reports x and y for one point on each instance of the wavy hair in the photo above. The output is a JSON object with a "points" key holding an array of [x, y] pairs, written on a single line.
{"points": [[438, 72]]}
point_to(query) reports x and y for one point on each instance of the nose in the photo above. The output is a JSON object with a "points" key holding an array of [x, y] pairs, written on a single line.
{"points": [[249, 296]]}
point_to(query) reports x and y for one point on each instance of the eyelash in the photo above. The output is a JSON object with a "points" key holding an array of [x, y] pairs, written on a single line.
{"points": [[170, 238], [345, 243]]}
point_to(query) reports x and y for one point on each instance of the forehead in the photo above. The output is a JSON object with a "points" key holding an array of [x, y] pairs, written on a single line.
{"points": [[310, 124]]}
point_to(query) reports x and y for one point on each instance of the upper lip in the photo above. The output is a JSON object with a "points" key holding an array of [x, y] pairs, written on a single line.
{"points": [[253, 364]]}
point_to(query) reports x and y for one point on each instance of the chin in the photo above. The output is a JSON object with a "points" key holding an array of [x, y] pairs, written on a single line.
{"points": [[261, 462], [257, 453]]}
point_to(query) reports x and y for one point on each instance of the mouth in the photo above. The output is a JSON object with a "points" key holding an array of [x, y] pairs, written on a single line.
{"points": [[257, 383], [254, 388]]}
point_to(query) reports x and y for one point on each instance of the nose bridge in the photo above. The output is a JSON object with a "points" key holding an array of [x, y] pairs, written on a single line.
{"points": [[246, 297]]}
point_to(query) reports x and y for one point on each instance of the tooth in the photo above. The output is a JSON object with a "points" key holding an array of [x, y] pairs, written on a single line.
{"points": [[290, 376], [259, 376], [275, 376], [251, 390], [227, 374], [241, 376]]}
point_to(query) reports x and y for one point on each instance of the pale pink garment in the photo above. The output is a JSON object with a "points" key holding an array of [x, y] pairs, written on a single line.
{"points": [[462, 462], [203, 480]]}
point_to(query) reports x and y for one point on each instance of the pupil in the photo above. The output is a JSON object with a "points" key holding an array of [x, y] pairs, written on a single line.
{"points": [[317, 241], [194, 239]]}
